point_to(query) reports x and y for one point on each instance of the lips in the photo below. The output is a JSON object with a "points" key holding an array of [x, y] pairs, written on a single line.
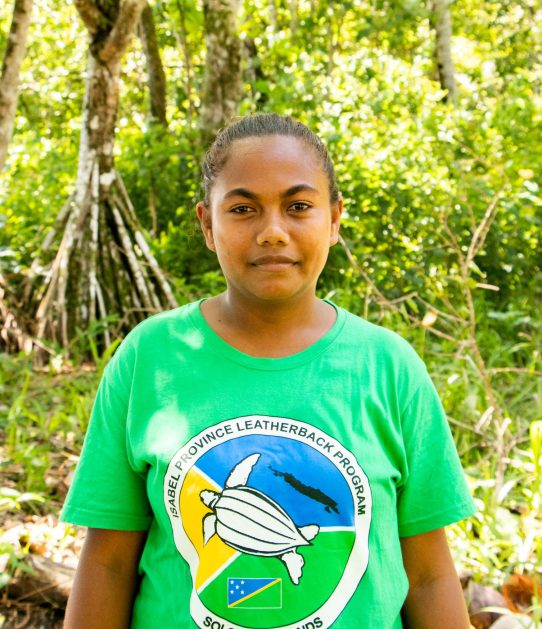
{"points": [[273, 262]]}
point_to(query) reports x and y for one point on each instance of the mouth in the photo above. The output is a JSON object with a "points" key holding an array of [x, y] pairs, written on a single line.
{"points": [[273, 263]]}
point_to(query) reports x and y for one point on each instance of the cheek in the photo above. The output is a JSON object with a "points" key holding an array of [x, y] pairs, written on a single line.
{"points": [[227, 247], [318, 236]]}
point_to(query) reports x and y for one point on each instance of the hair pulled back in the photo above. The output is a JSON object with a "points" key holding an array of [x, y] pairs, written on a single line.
{"points": [[259, 125]]}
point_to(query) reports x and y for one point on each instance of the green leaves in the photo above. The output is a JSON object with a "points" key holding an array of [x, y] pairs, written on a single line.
{"points": [[535, 436]]}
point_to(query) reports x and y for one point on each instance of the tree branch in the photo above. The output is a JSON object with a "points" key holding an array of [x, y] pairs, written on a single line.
{"points": [[482, 230], [525, 370], [351, 258], [90, 14], [122, 31]]}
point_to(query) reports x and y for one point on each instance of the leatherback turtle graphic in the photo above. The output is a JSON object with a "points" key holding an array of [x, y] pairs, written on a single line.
{"points": [[253, 523]]}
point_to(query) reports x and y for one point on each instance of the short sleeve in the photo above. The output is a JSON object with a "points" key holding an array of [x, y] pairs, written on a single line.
{"points": [[434, 492], [107, 492]]}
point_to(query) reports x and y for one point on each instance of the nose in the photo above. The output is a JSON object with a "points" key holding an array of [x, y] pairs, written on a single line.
{"points": [[273, 230]]}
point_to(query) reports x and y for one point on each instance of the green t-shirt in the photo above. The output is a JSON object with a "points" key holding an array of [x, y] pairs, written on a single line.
{"points": [[275, 490]]}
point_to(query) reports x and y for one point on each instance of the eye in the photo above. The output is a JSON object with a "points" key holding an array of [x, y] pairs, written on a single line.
{"points": [[299, 206], [241, 209]]}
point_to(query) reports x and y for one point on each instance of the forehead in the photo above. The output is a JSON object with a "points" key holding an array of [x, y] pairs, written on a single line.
{"points": [[273, 162]]}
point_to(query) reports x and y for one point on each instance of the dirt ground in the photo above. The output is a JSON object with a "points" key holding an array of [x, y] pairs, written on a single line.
{"points": [[38, 572], [29, 616]]}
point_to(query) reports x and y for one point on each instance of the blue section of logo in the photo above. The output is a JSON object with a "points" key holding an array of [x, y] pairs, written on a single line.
{"points": [[241, 589], [302, 480]]}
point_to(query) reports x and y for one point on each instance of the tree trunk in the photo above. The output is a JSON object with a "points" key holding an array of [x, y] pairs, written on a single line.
{"points": [[294, 15], [103, 266], [273, 15], [223, 85], [157, 97], [253, 72], [9, 80], [182, 41], [155, 69], [442, 25], [12, 336]]}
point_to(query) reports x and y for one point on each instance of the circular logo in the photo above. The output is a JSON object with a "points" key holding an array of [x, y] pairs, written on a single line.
{"points": [[272, 515]]}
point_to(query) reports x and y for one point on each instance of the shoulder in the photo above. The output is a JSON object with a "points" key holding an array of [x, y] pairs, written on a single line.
{"points": [[152, 338], [159, 328], [382, 342], [383, 355]]}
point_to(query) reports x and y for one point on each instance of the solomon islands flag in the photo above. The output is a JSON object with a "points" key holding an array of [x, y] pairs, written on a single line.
{"points": [[255, 593]]}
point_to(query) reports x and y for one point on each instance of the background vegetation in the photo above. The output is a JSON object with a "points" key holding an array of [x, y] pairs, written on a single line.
{"points": [[442, 236]]}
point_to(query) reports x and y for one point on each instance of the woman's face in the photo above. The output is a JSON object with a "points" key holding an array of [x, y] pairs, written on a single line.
{"points": [[270, 220]]}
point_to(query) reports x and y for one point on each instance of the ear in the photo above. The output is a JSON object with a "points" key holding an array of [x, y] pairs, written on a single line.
{"points": [[204, 217], [336, 213]]}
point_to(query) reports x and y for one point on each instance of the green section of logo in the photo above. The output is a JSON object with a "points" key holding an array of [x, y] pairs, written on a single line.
{"points": [[325, 561]]}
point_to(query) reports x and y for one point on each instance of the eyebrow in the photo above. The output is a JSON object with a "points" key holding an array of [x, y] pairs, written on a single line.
{"points": [[248, 194]]}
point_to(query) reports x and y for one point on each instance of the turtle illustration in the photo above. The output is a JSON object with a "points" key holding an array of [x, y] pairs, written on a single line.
{"points": [[253, 523]]}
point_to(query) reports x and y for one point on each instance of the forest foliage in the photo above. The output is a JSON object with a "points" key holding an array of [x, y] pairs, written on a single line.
{"points": [[441, 239]]}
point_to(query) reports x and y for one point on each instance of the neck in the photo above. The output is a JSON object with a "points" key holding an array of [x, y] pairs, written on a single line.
{"points": [[269, 314], [269, 329]]}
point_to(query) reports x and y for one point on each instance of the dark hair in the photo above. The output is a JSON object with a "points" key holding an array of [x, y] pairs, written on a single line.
{"points": [[258, 125]]}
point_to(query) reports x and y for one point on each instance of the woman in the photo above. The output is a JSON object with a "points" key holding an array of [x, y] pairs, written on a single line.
{"points": [[264, 458]]}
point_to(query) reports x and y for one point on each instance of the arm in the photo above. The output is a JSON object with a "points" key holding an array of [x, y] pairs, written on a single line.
{"points": [[106, 580], [435, 598]]}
